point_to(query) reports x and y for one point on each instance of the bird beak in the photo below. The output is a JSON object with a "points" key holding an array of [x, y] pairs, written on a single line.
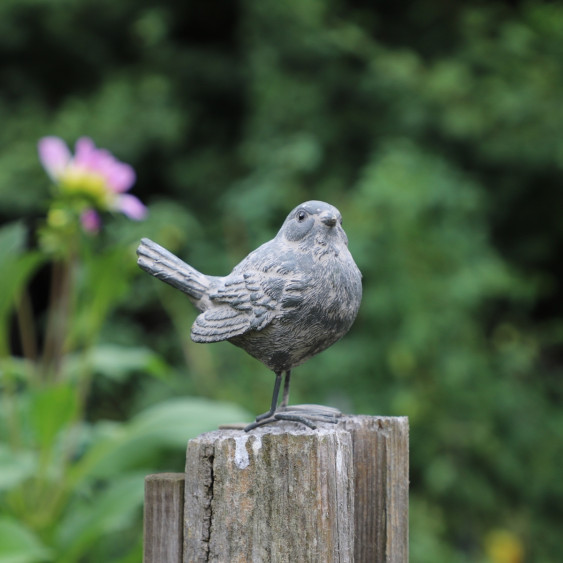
{"points": [[328, 219]]}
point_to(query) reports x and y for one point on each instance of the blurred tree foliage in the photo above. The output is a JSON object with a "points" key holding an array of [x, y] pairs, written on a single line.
{"points": [[435, 128]]}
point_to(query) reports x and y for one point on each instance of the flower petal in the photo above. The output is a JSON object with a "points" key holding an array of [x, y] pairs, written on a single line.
{"points": [[84, 152], [121, 177], [90, 221], [54, 156], [88, 158], [131, 206]]}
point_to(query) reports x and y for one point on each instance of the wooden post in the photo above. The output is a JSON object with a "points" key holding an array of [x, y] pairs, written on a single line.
{"points": [[284, 493], [278, 493], [163, 518], [381, 500]]}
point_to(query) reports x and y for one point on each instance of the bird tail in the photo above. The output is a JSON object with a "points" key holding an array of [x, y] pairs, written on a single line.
{"points": [[163, 265]]}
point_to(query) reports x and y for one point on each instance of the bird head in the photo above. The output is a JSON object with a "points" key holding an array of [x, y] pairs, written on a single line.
{"points": [[316, 223]]}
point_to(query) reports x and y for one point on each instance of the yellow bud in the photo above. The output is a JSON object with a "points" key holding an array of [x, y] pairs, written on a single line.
{"points": [[503, 546], [57, 218]]}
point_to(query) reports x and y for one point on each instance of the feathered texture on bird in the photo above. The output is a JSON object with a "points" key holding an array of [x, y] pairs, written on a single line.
{"points": [[288, 300], [163, 265]]}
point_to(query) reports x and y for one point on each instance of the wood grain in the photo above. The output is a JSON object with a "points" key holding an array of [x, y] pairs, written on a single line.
{"points": [[277, 494], [381, 499], [163, 518]]}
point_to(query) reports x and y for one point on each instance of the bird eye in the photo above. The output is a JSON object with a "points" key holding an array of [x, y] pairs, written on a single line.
{"points": [[301, 216]]}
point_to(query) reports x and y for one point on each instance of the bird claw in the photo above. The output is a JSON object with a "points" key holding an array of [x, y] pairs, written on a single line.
{"points": [[304, 414]]}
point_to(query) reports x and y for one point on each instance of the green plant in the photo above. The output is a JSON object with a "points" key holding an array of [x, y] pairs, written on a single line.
{"points": [[69, 483]]}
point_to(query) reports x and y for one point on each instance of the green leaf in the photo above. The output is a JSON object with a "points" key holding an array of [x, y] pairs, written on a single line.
{"points": [[15, 370], [117, 362], [20, 545], [174, 421], [51, 409], [169, 424], [108, 511], [102, 282], [12, 240], [16, 466]]}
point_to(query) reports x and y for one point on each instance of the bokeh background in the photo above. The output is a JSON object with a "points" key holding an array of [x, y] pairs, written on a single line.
{"points": [[435, 127]]}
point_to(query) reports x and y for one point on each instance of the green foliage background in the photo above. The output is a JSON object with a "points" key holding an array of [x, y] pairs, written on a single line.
{"points": [[436, 128]]}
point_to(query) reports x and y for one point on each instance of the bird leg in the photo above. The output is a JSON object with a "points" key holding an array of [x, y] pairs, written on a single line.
{"points": [[263, 418], [304, 414], [285, 398]]}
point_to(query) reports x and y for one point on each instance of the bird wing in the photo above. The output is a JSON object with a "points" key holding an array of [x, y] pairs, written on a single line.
{"points": [[246, 301]]}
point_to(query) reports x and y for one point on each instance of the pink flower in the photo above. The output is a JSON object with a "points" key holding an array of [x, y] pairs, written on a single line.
{"points": [[94, 175], [54, 156], [90, 220]]}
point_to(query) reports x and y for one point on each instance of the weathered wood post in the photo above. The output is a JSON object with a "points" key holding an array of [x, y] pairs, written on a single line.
{"points": [[284, 493], [381, 500], [164, 518], [280, 493]]}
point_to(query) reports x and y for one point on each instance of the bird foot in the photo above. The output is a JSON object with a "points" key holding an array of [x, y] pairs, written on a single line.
{"points": [[304, 414]]}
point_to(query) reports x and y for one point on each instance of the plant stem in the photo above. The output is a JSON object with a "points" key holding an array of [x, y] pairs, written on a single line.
{"points": [[57, 324]]}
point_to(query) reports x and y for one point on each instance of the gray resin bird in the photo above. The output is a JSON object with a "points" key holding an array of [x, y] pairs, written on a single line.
{"points": [[288, 300]]}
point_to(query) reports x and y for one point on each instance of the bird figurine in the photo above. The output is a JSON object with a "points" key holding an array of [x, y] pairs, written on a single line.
{"points": [[288, 300]]}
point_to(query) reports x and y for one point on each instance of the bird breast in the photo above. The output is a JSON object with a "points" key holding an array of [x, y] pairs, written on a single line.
{"points": [[320, 311]]}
